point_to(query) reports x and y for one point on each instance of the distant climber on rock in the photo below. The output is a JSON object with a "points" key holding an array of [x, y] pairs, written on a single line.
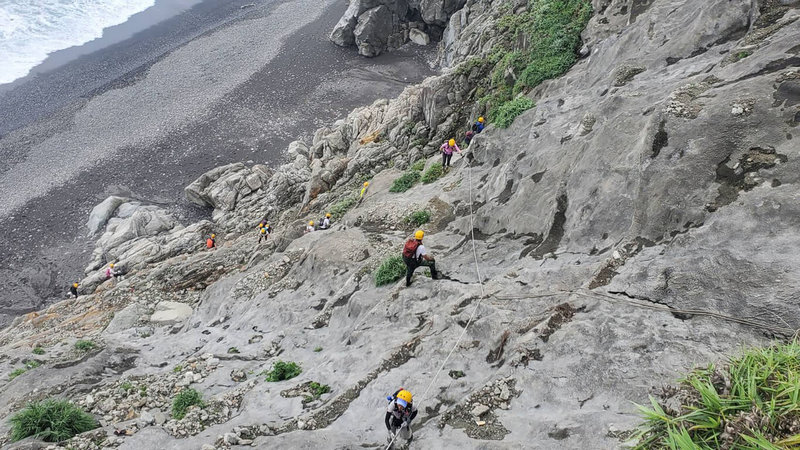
{"points": [[326, 222], [363, 191], [478, 126], [415, 255], [110, 272], [399, 414], [73, 290], [263, 222], [263, 233], [447, 152], [310, 227], [211, 243]]}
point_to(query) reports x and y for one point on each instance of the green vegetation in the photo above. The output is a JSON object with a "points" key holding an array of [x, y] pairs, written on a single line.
{"points": [[551, 29], [184, 400], [126, 386], [316, 391], [143, 390], [32, 364], [408, 127], [233, 350], [341, 207], [405, 181], [742, 55], [419, 166], [504, 115], [38, 351], [390, 270], [15, 373], [418, 218], [317, 349], [433, 173], [85, 346], [283, 371], [177, 369], [750, 403], [51, 421]]}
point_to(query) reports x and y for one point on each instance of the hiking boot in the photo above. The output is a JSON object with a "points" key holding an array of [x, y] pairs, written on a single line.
{"points": [[408, 283]]}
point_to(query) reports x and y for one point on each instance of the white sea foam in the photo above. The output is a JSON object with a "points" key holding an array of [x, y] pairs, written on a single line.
{"points": [[32, 29]]}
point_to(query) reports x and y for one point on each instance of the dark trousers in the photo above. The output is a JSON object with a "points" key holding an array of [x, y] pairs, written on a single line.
{"points": [[412, 264], [446, 159]]}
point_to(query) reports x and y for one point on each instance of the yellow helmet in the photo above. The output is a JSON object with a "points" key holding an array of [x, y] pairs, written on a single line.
{"points": [[451, 142], [111, 265], [480, 119], [419, 235], [328, 215], [267, 226], [311, 223], [213, 235], [405, 396], [74, 284], [263, 231], [261, 225], [366, 183]]}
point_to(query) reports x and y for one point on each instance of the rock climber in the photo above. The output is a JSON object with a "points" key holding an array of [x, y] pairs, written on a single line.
{"points": [[447, 152], [478, 126], [263, 233], [110, 272], [263, 222], [326, 222], [310, 226], [415, 255], [211, 243], [363, 191], [399, 414], [73, 290]]}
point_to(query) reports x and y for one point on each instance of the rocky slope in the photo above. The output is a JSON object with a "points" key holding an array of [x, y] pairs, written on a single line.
{"points": [[638, 221]]}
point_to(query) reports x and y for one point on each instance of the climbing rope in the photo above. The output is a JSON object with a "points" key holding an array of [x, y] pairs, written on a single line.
{"points": [[474, 310]]}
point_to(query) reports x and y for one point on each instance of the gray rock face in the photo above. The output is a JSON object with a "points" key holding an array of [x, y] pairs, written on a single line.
{"points": [[103, 212], [370, 32], [171, 312]]}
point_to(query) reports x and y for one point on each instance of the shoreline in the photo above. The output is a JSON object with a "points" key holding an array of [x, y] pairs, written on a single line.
{"points": [[308, 83]]}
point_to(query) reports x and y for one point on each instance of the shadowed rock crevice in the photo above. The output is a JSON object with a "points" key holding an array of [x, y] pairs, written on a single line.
{"points": [[553, 239], [743, 176]]}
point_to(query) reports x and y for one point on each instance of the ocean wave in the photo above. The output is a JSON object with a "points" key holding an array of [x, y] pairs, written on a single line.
{"points": [[32, 29]]}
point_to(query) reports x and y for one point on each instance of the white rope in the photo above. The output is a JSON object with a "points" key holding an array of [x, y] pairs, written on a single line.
{"points": [[477, 305]]}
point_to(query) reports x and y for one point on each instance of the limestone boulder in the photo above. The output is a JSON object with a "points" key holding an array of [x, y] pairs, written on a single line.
{"points": [[372, 31]]}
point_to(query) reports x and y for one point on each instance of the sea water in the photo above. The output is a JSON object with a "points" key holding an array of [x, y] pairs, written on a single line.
{"points": [[32, 29]]}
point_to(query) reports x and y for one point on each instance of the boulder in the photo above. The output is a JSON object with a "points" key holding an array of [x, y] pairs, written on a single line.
{"points": [[171, 312], [103, 212], [418, 37], [373, 30]]}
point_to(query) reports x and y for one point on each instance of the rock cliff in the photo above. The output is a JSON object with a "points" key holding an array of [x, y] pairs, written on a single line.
{"points": [[638, 221]]}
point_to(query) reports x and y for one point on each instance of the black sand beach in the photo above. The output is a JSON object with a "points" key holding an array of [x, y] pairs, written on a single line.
{"points": [[144, 117]]}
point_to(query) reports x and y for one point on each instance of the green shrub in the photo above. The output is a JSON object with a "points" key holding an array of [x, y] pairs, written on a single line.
{"points": [[509, 111], [183, 401], [283, 371], [85, 346], [233, 350], [418, 218], [390, 270], [405, 181], [319, 389], [38, 351], [32, 364], [318, 349], [736, 405], [15, 373], [433, 173], [177, 369], [419, 166], [340, 208], [51, 421], [126, 386]]}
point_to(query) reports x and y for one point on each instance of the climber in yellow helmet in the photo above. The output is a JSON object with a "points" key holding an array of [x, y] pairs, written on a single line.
{"points": [[399, 414], [363, 191], [73, 290], [415, 255], [447, 152], [310, 226], [326, 222]]}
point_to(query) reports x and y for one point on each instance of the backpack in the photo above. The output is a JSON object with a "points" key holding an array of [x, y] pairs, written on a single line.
{"points": [[410, 250], [210, 243]]}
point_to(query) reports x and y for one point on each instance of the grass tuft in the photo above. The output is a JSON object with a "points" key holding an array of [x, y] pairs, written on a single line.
{"points": [[418, 218], [15, 373], [183, 401], [419, 166], [341, 207], [390, 270], [85, 346], [283, 371], [38, 351], [752, 402], [405, 182], [433, 173], [51, 421]]}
